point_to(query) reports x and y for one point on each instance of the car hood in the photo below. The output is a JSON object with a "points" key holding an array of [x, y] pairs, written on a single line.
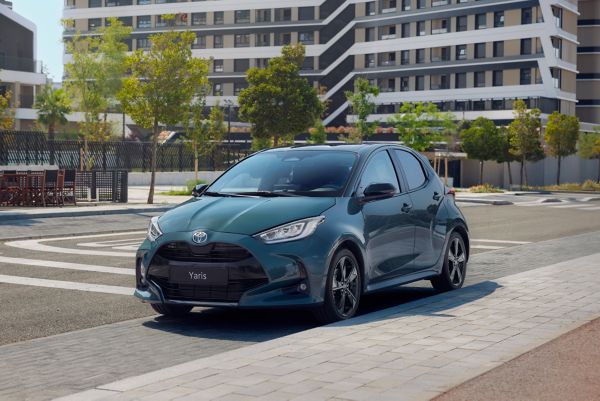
{"points": [[248, 215]]}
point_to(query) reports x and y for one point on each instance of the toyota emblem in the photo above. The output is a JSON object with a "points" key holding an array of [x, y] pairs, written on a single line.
{"points": [[199, 237]]}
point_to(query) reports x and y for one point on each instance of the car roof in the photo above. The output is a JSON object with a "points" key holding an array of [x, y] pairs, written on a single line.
{"points": [[361, 149]]}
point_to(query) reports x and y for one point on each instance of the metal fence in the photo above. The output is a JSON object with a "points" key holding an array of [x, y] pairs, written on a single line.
{"points": [[34, 148], [101, 186]]}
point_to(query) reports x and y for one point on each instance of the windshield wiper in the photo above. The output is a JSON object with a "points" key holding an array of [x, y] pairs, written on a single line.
{"points": [[225, 194], [270, 193]]}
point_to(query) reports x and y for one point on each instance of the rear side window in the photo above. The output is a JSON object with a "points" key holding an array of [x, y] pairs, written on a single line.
{"points": [[412, 169], [380, 170]]}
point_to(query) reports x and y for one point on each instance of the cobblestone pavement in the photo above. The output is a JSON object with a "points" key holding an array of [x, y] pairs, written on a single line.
{"points": [[413, 351]]}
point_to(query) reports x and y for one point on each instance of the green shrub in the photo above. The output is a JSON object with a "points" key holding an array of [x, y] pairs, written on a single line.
{"points": [[485, 188]]}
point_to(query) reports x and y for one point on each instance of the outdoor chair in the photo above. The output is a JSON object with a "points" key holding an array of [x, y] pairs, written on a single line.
{"points": [[50, 187], [17, 188], [36, 188], [68, 192]]}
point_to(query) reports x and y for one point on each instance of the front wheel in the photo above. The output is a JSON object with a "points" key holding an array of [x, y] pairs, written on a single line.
{"points": [[342, 289], [171, 310], [454, 270]]}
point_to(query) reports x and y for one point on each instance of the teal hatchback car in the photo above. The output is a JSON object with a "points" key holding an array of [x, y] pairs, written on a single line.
{"points": [[313, 226]]}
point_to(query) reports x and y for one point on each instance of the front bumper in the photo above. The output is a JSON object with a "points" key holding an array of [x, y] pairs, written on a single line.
{"points": [[294, 273]]}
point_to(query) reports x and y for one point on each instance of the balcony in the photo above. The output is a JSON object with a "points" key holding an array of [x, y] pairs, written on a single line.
{"points": [[388, 36], [20, 64]]}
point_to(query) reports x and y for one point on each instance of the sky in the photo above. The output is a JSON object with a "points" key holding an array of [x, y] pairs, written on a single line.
{"points": [[46, 15]]}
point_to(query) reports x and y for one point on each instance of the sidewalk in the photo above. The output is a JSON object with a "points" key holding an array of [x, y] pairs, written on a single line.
{"points": [[415, 351]]}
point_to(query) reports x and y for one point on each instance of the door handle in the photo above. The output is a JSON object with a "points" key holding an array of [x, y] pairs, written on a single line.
{"points": [[437, 196], [406, 208]]}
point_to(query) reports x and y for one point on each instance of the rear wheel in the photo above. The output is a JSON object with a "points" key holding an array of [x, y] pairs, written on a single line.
{"points": [[342, 290], [454, 271], [171, 310]]}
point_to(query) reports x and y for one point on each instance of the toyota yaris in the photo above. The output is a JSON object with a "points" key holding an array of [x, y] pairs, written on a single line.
{"points": [[315, 227]]}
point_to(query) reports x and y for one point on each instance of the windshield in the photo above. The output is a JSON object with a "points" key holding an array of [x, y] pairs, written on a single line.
{"points": [[288, 173]]}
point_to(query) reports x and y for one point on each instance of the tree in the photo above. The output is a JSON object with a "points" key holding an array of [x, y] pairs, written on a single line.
{"points": [[162, 83], [278, 102], [525, 136], [589, 147], [53, 105], [204, 134], [481, 141], [561, 136], [318, 135], [362, 105], [6, 112], [506, 153], [421, 124]]}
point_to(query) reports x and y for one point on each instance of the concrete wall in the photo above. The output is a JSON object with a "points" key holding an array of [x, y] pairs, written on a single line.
{"points": [[174, 179], [573, 169]]}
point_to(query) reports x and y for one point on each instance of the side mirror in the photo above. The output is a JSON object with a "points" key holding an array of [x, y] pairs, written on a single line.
{"points": [[378, 191], [198, 190]]}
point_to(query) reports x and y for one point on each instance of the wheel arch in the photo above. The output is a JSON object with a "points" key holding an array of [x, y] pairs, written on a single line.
{"points": [[461, 229], [353, 246]]}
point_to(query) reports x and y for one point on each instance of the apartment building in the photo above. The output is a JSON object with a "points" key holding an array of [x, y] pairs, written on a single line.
{"points": [[20, 72], [588, 63], [471, 57]]}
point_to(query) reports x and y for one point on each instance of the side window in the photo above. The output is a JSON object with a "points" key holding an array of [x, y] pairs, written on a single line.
{"points": [[380, 170], [412, 169]]}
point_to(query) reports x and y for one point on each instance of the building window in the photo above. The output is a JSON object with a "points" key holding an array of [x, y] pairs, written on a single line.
{"points": [[479, 50], [525, 46], [370, 61], [143, 43], [498, 19], [498, 104], [526, 15], [242, 16], [420, 56], [95, 3], [218, 41], [557, 46], [440, 54], [419, 83], [438, 82], [144, 2], [557, 14], [283, 14], [498, 49], [387, 59], [525, 76], [241, 65], [306, 38], [261, 62], [421, 28], [404, 84], [421, 4], [370, 8], [218, 90], [479, 79], [461, 23], [238, 87], [242, 40], [217, 65], [497, 78], [94, 24], [406, 30], [126, 21], [461, 52], [198, 18], [144, 21], [439, 26], [388, 32], [556, 77], [263, 15], [306, 13], [200, 42], [405, 57], [405, 5], [481, 21], [263, 39], [283, 39], [460, 80], [369, 34], [479, 105], [219, 18], [161, 21]]}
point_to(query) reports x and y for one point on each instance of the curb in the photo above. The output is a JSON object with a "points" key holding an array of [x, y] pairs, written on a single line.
{"points": [[486, 202], [13, 216]]}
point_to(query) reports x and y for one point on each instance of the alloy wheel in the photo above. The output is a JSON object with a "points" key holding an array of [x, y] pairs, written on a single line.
{"points": [[345, 286], [456, 262]]}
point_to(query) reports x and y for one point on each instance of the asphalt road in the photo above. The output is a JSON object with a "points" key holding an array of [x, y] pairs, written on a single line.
{"points": [[83, 282]]}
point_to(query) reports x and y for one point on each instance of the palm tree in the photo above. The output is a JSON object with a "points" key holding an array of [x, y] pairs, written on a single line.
{"points": [[53, 106]]}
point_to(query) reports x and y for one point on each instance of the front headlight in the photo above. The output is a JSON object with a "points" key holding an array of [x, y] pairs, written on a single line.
{"points": [[291, 231], [154, 231]]}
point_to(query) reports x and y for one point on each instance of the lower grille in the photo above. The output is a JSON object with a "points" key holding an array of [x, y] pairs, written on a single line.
{"points": [[243, 271]]}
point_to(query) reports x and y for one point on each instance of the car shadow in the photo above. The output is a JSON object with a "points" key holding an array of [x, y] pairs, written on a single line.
{"points": [[256, 325]]}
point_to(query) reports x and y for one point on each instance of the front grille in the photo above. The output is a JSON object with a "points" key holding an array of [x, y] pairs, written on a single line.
{"points": [[211, 253], [244, 272]]}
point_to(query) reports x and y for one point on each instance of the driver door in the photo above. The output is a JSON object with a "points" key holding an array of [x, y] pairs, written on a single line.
{"points": [[388, 229]]}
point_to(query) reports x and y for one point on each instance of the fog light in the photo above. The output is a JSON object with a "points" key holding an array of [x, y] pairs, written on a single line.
{"points": [[302, 287]]}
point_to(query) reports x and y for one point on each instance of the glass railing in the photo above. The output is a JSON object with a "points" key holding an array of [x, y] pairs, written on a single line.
{"points": [[20, 64]]}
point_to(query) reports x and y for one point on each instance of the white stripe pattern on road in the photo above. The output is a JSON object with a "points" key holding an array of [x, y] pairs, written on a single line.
{"points": [[498, 241], [66, 285], [68, 266], [487, 247]]}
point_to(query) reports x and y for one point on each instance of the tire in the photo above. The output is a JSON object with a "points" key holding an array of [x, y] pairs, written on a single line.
{"points": [[171, 310], [341, 303], [454, 270]]}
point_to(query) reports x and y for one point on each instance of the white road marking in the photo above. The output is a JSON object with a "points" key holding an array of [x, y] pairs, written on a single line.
{"points": [[591, 208], [571, 205], [36, 245], [487, 247], [108, 244], [66, 285], [68, 266], [127, 248], [498, 241]]}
